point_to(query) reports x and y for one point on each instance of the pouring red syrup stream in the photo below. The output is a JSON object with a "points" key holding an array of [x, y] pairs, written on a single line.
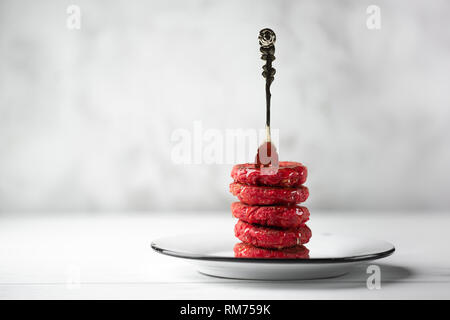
{"points": [[267, 154]]}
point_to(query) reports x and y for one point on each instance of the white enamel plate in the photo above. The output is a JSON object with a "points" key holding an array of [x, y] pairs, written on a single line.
{"points": [[329, 256]]}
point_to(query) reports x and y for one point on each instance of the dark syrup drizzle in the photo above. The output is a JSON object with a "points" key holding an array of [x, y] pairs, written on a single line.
{"points": [[267, 154]]}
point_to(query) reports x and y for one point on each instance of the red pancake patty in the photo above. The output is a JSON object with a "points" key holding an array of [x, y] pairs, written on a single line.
{"points": [[289, 174], [265, 237], [245, 250], [273, 216], [258, 195]]}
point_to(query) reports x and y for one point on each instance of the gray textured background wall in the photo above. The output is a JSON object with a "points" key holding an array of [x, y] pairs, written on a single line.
{"points": [[86, 115]]}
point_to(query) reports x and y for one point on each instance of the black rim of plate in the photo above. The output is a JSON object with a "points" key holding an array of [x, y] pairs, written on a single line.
{"points": [[372, 256]]}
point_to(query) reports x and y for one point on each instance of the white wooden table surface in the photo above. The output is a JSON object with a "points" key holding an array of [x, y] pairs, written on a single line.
{"points": [[108, 256]]}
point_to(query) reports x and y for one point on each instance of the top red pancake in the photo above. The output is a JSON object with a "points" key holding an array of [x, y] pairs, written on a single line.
{"points": [[289, 174]]}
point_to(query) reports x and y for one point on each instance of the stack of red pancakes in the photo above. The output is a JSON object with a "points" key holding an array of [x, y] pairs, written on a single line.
{"points": [[271, 223]]}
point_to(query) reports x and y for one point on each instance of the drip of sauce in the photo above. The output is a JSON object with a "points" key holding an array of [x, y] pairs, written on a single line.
{"points": [[267, 154]]}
